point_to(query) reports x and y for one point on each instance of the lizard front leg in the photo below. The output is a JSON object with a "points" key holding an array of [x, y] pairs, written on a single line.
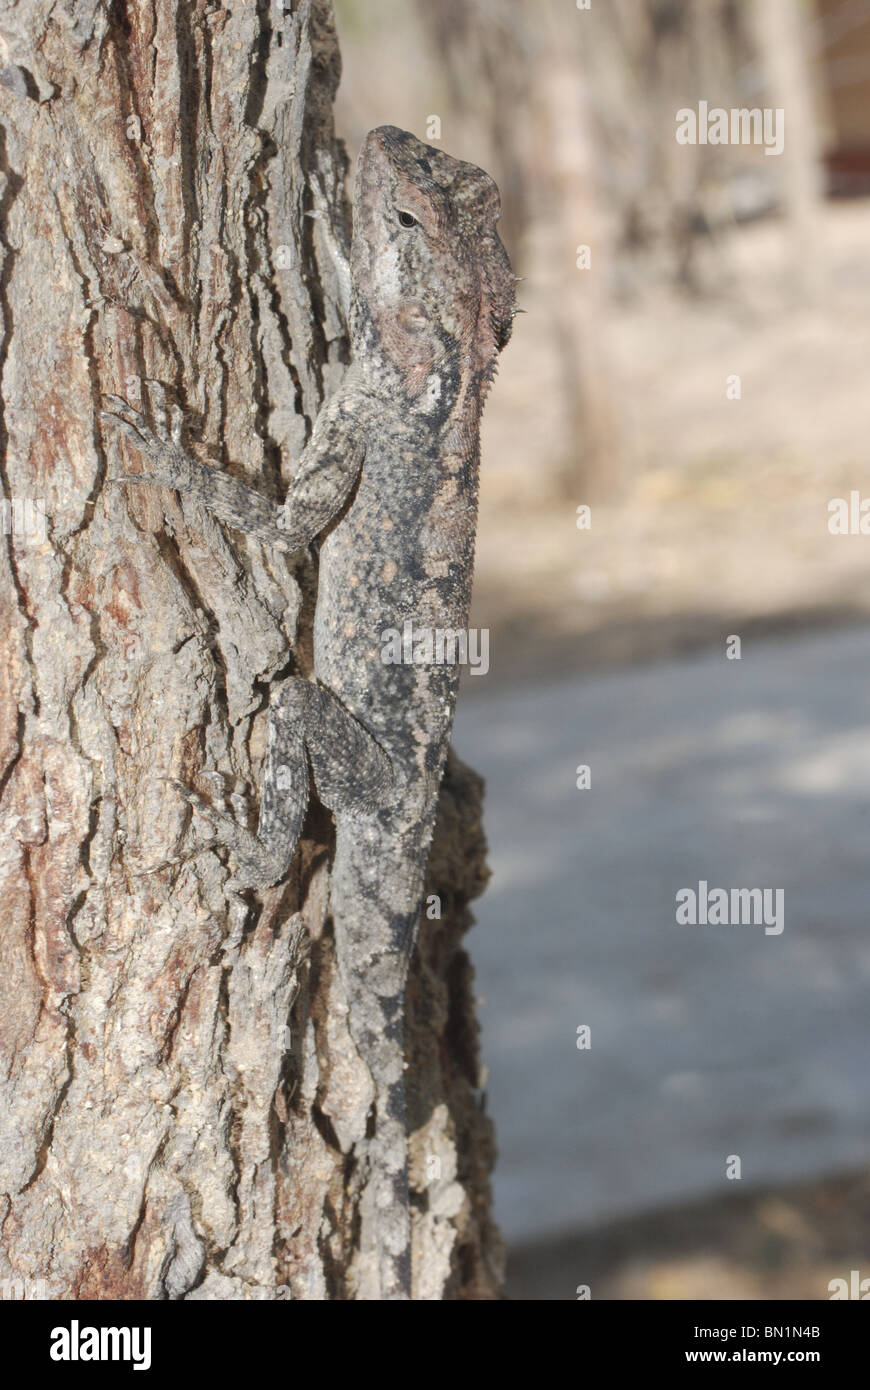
{"points": [[328, 468]]}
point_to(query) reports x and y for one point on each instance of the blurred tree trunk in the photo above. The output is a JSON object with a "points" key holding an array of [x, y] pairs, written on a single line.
{"points": [[781, 32], [176, 1072], [580, 247], [483, 48], [646, 59]]}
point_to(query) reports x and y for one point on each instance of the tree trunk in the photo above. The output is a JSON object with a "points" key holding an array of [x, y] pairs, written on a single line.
{"points": [[780, 26], [176, 1064]]}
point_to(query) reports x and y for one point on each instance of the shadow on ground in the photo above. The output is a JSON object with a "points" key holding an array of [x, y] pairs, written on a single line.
{"points": [[767, 1244]]}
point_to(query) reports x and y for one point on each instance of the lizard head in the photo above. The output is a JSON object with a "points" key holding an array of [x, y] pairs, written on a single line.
{"points": [[432, 283]]}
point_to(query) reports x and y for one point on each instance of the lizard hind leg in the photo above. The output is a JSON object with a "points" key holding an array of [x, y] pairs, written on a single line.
{"points": [[354, 777], [265, 857], [351, 771]]}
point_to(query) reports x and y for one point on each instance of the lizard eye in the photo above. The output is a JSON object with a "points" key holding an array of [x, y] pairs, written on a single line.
{"points": [[406, 219]]}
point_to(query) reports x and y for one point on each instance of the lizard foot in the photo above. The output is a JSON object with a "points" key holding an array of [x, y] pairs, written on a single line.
{"points": [[170, 465], [257, 867]]}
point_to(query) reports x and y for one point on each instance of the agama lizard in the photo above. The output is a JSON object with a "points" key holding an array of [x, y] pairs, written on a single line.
{"points": [[389, 479]]}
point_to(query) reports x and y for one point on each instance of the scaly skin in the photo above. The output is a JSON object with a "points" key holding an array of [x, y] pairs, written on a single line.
{"points": [[393, 465]]}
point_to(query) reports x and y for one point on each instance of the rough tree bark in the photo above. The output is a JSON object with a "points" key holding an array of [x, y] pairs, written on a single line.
{"points": [[176, 1072]]}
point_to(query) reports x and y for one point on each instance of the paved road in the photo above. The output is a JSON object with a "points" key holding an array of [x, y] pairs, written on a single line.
{"points": [[707, 1041]]}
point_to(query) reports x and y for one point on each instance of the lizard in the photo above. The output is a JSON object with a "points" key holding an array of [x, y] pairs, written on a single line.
{"points": [[389, 481]]}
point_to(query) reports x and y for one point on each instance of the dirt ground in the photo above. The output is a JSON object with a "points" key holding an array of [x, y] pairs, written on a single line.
{"points": [[706, 1043], [761, 1245]]}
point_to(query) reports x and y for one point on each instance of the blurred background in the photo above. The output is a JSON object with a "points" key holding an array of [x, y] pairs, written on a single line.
{"points": [[692, 366]]}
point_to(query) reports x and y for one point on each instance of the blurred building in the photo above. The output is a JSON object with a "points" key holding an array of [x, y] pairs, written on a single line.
{"points": [[843, 49]]}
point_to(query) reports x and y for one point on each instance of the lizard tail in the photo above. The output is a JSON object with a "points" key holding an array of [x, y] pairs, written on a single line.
{"points": [[376, 905], [372, 948], [384, 1271]]}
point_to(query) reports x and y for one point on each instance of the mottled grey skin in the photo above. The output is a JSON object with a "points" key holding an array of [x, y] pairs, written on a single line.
{"points": [[432, 301]]}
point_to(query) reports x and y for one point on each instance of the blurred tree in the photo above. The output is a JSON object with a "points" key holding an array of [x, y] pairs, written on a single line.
{"points": [[839, 42], [782, 40], [649, 58], [483, 48], [183, 1112], [577, 242]]}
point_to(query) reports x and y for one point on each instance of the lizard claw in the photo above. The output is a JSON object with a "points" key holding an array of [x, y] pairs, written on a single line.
{"points": [[172, 467], [177, 859], [257, 869], [121, 409]]}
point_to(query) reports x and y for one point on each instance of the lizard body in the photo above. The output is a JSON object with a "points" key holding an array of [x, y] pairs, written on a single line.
{"points": [[389, 479]]}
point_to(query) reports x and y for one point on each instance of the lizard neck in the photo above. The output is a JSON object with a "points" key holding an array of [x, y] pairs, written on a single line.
{"points": [[443, 385], [436, 363]]}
